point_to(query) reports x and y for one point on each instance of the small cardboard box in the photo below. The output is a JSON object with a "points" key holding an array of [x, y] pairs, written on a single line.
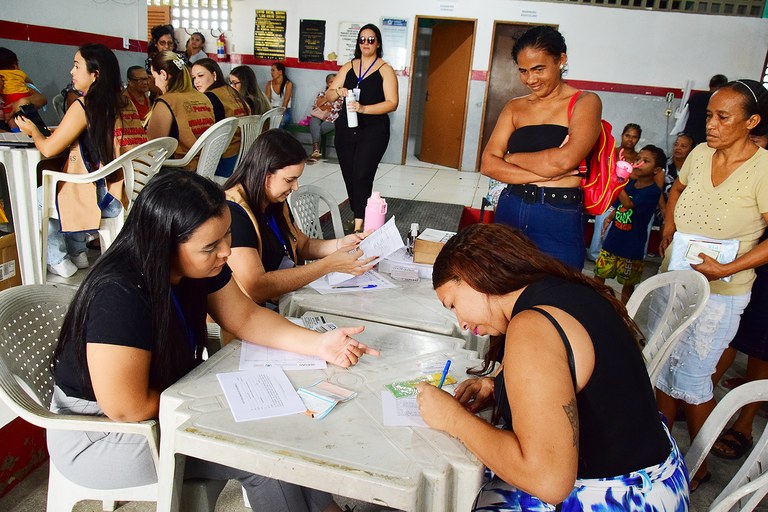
{"points": [[429, 244], [9, 261]]}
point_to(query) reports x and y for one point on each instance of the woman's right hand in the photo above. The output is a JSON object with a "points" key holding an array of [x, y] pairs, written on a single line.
{"points": [[350, 260], [26, 126], [666, 238], [475, 394]]}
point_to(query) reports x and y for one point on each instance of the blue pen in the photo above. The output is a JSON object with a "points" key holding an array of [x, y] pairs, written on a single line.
{"points": [[445, 374]]}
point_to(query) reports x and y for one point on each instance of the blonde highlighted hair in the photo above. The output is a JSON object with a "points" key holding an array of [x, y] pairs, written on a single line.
{"points": [[179, 79]]}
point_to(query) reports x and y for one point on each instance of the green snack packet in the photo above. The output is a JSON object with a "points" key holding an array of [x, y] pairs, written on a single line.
{"points": [[406, 388]]}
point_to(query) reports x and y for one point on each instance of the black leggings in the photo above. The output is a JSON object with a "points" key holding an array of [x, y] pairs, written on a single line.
{"points": [[360, 150]]}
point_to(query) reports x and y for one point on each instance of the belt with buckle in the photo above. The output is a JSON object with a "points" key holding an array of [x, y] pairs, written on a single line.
{"points": [[547, 195]]}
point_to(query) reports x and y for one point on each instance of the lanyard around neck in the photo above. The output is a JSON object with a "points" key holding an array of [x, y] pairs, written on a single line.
{"points": [[189, 331], [362, 75], [276, 230]]}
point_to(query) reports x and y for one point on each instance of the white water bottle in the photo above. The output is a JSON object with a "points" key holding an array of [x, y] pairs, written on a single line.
{"points": [[351, 114]]}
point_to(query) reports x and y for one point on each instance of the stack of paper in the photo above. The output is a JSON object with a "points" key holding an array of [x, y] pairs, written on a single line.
{"points": [[321, 397]]}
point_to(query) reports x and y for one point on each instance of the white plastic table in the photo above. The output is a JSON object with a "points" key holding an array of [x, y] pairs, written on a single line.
{"points": [[349, 452], [413, 305], [21, 169]]}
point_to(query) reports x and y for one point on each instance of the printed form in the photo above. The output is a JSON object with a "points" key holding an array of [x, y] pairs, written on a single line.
{"points": [[260, 393]]}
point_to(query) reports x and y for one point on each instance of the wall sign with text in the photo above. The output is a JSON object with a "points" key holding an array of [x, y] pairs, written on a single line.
{"points": [[269, 35]]}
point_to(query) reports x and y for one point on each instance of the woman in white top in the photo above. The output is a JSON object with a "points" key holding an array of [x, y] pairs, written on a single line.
{"points": [[279, 90]]}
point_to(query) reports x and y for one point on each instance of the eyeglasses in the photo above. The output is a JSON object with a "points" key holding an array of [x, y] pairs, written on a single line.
{"points": [[233, 83], [369, 40], [139, 79]]}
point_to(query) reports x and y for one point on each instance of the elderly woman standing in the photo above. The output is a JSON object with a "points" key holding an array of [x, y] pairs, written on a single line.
{"points": [[721, 192], [536, 148]]}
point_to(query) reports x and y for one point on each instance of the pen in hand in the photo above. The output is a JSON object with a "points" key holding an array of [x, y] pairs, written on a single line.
{"points": [[445, 374]]}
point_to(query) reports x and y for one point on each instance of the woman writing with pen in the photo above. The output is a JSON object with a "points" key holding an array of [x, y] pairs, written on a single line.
{"points": [[267, 247]]}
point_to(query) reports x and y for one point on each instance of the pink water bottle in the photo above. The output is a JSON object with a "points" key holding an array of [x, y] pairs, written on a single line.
{"points": [[375, 212]]}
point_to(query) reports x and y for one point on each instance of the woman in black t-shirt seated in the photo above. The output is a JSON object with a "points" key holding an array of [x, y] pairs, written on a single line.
{"points": [[137, 325], [267, 247], [579, 415]]}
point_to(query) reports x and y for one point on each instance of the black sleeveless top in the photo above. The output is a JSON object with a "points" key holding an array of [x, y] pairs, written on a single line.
{"points": [[536, 137], [371, 92], [620, 429]]}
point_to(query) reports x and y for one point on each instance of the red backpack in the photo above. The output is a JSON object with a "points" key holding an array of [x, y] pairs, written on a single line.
{"points": [[600, 184]]}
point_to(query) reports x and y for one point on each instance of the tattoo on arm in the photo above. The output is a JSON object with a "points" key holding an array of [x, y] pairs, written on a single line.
{"points": [[572, 411]]}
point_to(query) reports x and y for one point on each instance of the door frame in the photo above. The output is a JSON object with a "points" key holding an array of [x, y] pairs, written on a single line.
{"points": [[496, 23], [414, 40]]}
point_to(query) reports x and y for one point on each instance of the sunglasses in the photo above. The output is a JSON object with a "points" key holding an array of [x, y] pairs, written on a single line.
{"points": [[369, 40]]}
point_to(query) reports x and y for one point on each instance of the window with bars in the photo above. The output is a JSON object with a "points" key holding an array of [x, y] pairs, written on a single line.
{"points": [[747, 8], [197, 14]]}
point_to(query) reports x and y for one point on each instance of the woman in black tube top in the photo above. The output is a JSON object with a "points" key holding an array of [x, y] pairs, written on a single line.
{"points": [[536, 148]]}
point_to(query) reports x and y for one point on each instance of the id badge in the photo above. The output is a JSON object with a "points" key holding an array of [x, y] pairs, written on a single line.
{"points": [[356, 92], [286, 263]]}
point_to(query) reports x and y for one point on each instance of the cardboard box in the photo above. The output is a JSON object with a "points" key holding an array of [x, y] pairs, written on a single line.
{"points": [[429, 244], [9, 261]]}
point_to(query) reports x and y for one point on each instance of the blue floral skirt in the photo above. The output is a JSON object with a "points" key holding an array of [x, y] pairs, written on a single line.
{"points": [[663, 487]]}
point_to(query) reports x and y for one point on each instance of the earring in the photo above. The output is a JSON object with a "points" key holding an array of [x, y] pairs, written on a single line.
{"points": [[561, 66]]}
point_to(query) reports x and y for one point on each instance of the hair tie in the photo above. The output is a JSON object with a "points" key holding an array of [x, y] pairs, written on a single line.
{"points": [[179, 63], [750, 90]]}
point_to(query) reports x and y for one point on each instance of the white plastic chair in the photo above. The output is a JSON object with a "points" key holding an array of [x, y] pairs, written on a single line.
{"points": [[138, 166], [211, 145], [305, 205], [58, 105], [673, 300], [30, 319], [750, 483], [274, 117], [250, 128]]}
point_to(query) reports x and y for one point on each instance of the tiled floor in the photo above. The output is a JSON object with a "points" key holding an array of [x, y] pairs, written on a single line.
{"points": [[425, 182]]}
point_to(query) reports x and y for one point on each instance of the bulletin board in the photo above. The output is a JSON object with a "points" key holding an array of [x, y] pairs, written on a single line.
{"points": [[347, 37]]}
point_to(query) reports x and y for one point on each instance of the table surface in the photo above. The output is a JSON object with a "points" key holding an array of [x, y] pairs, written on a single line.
{"points": [[349, 452], [413, 305]]}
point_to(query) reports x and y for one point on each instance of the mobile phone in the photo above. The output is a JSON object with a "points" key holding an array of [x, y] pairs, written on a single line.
{"points": [[31, 113]]}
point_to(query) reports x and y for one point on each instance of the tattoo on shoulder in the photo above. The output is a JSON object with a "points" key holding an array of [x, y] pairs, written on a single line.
{"points": [[572, 411]]}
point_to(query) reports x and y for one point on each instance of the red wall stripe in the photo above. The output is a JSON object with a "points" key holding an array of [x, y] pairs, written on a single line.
{"points": [[41, 34]]}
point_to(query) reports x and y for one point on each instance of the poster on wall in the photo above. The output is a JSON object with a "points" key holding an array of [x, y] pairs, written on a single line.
{"points": [[394, 36], [311, 40], [347, 35], [269, 35]]}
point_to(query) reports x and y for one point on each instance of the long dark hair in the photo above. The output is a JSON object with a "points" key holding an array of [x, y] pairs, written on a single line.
{"points": [[495, 259], [379, 49], [281, 67], [755, 101], [166, 213], [250, 85], [271, 151], [104, 99], [213, 67]]}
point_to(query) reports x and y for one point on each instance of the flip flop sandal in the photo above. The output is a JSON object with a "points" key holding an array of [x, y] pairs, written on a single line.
{"points": [[699, 481], [739, 445]]}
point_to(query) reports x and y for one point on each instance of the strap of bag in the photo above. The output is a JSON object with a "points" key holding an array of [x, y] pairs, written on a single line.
{"points": [[568, 350], [583, 164]]}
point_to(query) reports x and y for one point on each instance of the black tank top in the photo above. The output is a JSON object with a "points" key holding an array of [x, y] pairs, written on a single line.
{"points": [[536, 137], [371, 92], [620, 428]]}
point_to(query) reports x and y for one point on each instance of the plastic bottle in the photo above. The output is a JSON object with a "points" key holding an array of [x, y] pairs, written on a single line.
{"points": [[410, 238], [375, 212], [352, 116]]}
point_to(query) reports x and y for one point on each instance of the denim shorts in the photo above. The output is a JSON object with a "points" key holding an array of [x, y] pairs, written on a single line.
{"points": [[557, 230], [687, 374]]}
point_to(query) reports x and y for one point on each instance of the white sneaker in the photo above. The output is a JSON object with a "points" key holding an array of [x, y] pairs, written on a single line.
{"points": [[64, 269], [81, 260]]}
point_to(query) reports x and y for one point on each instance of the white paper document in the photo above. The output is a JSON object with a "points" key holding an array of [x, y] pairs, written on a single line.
{"points": [[370, 281], [259, 394], [258, 356], [402, 412], [687, 247], [381, 243]]}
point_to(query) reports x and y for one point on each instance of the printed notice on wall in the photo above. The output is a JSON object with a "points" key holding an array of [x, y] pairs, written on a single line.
{"points": [[311, 40], [347, 38], [394, 36], [269, 35]]}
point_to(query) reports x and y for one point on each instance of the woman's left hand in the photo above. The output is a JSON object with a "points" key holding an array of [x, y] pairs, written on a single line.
{"points": [[354, 106], [354, 238], [438, 408], [338, 347], [711, 268], [26, 126]]}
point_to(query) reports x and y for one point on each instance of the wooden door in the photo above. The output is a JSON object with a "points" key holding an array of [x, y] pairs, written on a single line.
{"points": [[450, 62]]}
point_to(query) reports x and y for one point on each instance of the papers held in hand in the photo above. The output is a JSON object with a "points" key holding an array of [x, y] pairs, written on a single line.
{"points": [[687, 247]]}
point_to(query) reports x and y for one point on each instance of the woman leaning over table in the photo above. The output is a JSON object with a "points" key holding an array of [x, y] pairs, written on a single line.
{"points": [[181, 112], [209, 79], [536, 148], [360, 149], [580, 426], [137, 325], [721, 192], [96, 129], [267, 247]]}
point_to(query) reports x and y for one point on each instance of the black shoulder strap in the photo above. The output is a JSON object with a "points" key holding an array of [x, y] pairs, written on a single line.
{"points": [[568, 350]]}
